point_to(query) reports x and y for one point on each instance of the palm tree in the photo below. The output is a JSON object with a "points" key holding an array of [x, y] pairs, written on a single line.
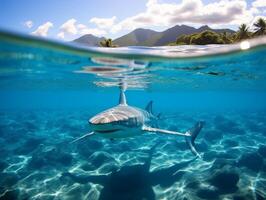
{"points": [[107, 43], [226, 38], [243, 32], [260, 27]]}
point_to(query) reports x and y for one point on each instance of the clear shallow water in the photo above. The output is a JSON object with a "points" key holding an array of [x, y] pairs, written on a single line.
{"points": [[49, 91]]}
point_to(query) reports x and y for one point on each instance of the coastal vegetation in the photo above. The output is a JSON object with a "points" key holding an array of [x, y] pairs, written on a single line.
{"points": [[107, 43], [260, 27], [211, 37]]}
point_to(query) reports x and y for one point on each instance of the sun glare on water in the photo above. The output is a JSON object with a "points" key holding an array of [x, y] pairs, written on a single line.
{"points": [[244, 45]]}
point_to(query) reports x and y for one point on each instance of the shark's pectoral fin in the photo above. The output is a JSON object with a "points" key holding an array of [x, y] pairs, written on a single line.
{"points": [[82, 137], [157, 130]]}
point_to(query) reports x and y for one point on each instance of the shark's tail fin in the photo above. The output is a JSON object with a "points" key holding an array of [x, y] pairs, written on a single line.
{"points": [[193, 132]]}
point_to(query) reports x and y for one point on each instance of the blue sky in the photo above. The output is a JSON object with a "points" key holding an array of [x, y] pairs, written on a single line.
{"points": [[69, 19]]}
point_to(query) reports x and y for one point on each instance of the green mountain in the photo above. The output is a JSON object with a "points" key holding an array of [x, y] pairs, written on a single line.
{"points": [[170, 35], [136, 38], [89, 40], [147, 37], [153, 38]]}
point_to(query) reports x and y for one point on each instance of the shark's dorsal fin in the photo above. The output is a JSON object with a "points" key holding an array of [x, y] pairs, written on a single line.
{"points": [[122, 98], [149, 107]]}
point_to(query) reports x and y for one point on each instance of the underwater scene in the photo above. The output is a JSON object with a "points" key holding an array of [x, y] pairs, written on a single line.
{"points": [[184, 122]]}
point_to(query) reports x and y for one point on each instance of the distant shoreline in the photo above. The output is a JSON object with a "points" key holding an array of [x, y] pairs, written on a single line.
{"points": [[177, 35]]}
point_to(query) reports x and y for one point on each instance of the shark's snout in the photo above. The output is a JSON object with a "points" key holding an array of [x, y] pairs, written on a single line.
{"points": [[120, 120], [97, 120], [104, 124]]}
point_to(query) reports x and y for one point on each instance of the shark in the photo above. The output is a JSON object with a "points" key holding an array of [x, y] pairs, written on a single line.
{"points": [[123, 121]]}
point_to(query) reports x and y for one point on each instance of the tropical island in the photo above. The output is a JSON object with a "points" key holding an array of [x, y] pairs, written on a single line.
{"points": [[179, 35]]}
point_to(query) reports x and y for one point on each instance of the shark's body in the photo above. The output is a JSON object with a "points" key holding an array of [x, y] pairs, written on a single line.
{"points": [[121, 121], [124, 121]]}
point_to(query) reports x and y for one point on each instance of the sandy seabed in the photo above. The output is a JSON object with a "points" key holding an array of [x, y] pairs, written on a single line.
{"points": [[38, 161]]}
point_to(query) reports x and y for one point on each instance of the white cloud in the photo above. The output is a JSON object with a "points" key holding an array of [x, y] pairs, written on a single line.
{"points": [[194, 12], [83, 29], [28, 23], [69, 27], [61, 35], [254, 11], [103, 23], [259, 3], [81, 26], [43, 29]]}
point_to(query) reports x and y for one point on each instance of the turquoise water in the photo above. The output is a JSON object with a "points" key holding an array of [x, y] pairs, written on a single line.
{"points": [[49, 91]]}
